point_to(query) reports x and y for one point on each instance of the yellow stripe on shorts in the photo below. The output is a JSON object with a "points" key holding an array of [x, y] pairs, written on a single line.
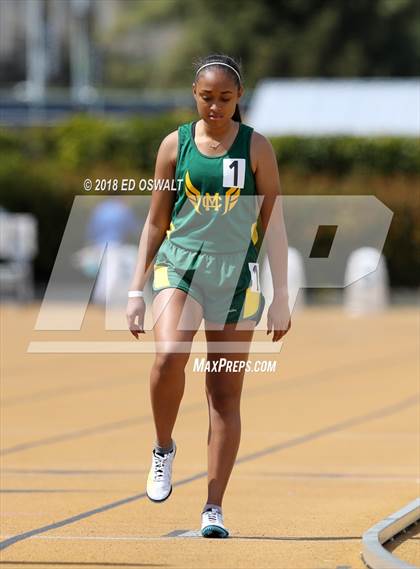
{"points": [[252, 302], [161, 278], [254, 233]]}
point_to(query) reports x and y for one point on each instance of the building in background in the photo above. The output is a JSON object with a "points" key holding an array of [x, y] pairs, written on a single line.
{"points": [[361, 107]]}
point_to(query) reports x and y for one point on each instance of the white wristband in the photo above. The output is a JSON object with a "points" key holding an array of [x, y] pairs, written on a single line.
{"points": [[135, 293]]}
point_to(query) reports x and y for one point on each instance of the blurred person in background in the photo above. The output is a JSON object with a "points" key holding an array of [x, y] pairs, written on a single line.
{"points": [[111, 223]]}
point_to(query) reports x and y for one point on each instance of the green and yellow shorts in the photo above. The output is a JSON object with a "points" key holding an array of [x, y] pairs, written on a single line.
{"points": [[226, 285]]}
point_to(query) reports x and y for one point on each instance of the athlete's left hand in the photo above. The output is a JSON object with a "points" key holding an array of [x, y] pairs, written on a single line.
{"points": [[278, 318]]}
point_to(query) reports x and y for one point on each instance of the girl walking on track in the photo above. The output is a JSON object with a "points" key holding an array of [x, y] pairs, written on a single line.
{"points": [[202, 237]]}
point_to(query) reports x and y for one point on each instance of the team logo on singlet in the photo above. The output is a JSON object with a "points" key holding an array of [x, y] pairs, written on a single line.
{"points": [[210, 202]]}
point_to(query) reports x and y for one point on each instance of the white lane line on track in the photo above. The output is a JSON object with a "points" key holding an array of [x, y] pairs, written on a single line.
{"points": [[16, 472], [95, 537], [339, 477], [185, 534]]}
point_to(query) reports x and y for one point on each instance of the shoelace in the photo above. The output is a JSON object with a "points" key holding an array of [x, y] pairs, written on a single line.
{"points": [[159, 466], [214, 516]]}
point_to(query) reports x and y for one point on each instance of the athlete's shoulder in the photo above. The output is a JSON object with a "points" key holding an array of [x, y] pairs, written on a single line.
{"points": [[260, 139], [170, 139], [168, 148], [261, 149]]}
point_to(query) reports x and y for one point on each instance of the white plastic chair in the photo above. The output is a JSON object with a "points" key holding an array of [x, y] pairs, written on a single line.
{"points": [[369, 292], [18, 247]]}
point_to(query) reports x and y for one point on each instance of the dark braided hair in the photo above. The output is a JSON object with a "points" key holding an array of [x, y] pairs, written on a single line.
{"points": [[223, 58]]}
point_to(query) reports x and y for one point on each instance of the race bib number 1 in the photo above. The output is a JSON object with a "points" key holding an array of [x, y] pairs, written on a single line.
{"points": [[233, 172]]}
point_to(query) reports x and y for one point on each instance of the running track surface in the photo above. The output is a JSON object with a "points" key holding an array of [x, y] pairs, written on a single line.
{"points": [[329, 447]]}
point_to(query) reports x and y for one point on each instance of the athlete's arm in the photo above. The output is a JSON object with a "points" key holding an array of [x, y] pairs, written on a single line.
{"points": [[159, 216], [264, 164], [157, 222]]}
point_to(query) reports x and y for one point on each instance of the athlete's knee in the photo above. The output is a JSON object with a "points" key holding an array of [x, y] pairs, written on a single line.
{"points": [[170, 362], [224, 402]]}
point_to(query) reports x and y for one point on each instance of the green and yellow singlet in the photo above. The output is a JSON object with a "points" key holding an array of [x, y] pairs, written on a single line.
{"points": [[215, 210]]}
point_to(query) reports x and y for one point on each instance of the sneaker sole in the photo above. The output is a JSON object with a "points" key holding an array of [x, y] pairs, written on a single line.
{"points": [[214, 532], [162, 500], [170, 491]]}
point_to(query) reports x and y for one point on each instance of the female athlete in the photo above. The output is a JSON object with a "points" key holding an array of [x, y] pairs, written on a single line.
{"points": [[202, 240]]}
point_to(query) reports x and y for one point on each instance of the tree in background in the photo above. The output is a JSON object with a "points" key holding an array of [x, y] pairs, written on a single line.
{"points": [[285, 38]]}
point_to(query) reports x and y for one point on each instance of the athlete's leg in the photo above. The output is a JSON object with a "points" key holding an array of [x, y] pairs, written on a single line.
{"points": [[223, 391], [172, 309]]}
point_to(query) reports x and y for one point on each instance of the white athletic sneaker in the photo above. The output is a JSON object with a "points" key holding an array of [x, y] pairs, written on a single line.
{"points": [[159, 485], [212, 524]]}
